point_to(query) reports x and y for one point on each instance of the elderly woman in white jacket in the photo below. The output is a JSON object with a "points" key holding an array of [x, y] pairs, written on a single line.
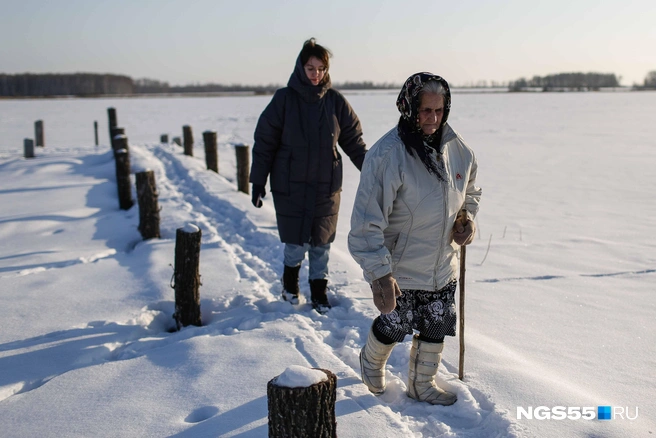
{"points": [[413, 210]]}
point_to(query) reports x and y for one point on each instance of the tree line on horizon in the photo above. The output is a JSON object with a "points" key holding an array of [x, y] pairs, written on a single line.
{"points": [[73, 84], [150, 86], [578, 82], [566, 82], [93, 84]]}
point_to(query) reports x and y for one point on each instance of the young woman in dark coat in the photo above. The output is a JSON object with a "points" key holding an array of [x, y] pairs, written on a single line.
{"points": [[296, 146]]}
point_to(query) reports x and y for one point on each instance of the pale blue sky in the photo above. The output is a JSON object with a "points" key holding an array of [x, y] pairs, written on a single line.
{"points": [[257, 42]]}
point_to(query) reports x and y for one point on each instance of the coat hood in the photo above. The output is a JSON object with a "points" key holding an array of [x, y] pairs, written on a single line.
{"points": [[299, 82]]}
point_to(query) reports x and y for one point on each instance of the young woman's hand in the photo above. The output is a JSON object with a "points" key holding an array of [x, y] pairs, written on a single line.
{"points": [[258, 193]]}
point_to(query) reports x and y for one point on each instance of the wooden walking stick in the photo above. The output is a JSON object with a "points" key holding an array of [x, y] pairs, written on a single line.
{"points": [[461, 365]]}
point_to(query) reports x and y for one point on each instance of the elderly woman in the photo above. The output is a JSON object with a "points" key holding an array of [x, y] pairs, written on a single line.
{"points": [[296, 144], [413, 210]]}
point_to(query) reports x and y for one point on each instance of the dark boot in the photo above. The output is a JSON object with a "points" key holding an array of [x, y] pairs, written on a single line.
{"points": [[290, 289], [318, 293]]}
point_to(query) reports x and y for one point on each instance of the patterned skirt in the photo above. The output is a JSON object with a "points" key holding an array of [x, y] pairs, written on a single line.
{"points": [[433, 314]]}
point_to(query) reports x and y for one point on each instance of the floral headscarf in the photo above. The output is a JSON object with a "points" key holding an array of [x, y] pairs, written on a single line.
{"points": [[408, 100], [411, 134]]}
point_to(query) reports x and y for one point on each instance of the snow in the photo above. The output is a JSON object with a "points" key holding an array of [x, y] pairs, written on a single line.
{"points": [[190, 229], [297, 376], [560, 299]]}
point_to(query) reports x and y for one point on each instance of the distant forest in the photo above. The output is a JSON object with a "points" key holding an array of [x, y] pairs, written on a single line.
{"points": [[150, 86], [74, 84], [91, 84], [567, 82]]}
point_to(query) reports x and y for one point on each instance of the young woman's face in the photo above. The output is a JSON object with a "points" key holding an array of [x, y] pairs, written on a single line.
{"points": [[315, 70], [431, 112]]}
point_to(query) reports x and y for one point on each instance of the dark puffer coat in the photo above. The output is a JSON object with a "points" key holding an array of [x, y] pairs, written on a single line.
{"points": [[296, 143]]}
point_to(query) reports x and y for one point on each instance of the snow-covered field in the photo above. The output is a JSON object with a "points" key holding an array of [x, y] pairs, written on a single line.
{"points": [[561, 280]]}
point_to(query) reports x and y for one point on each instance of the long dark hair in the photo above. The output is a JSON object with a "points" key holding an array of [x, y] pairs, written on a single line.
{"points": [[311, 48]]}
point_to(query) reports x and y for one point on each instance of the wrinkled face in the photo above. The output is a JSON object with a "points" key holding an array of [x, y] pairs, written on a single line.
{"points": [[431, 112], [315, 70]]}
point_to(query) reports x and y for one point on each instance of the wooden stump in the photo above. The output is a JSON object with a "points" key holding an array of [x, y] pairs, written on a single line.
{"points": [[148, 206], [211, 155], [164, 138], [28, 148], [177, 141], [95, 131], [188, 140], [186, 276], [303, 412], [243, 167], [39, 135], [115, 131], [122, 158], [111, 115]]}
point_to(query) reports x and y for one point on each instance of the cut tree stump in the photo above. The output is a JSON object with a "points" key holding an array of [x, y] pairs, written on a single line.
{"points": [[305, 411], [242, 152], [187, 277], [123, 183], [211, 155], [39, 134], [188, 140], [148, 206], [111, 122], [116, 131], [28, 148]]}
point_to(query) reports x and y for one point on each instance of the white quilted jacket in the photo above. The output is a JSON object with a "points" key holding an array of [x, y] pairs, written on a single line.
{"points": [[403, 216]]}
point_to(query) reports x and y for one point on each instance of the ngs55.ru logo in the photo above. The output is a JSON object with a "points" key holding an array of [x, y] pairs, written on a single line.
{"points": [[576, 413]]}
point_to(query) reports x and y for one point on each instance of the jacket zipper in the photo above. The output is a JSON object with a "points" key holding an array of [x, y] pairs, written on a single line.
{"points": [[445, 192]]}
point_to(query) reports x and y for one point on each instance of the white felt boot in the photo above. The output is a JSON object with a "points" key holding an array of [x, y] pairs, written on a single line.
{"points": [[425, 357], [373, 358]]}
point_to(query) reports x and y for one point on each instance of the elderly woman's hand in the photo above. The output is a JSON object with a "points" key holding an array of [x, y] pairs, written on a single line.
{"points": [[385, 291], [464, 229]]}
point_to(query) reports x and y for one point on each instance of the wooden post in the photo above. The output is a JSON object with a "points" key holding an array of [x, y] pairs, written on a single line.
{"points": [[117, 131], [243, 167], [148, 206], [188, 140], [111, 115], [177, 141], [305, 411], [39, 135], [211, 155], [186, 276], [122, 158], [95, 131], [164, 138], [28, 146], [461, 365]]}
